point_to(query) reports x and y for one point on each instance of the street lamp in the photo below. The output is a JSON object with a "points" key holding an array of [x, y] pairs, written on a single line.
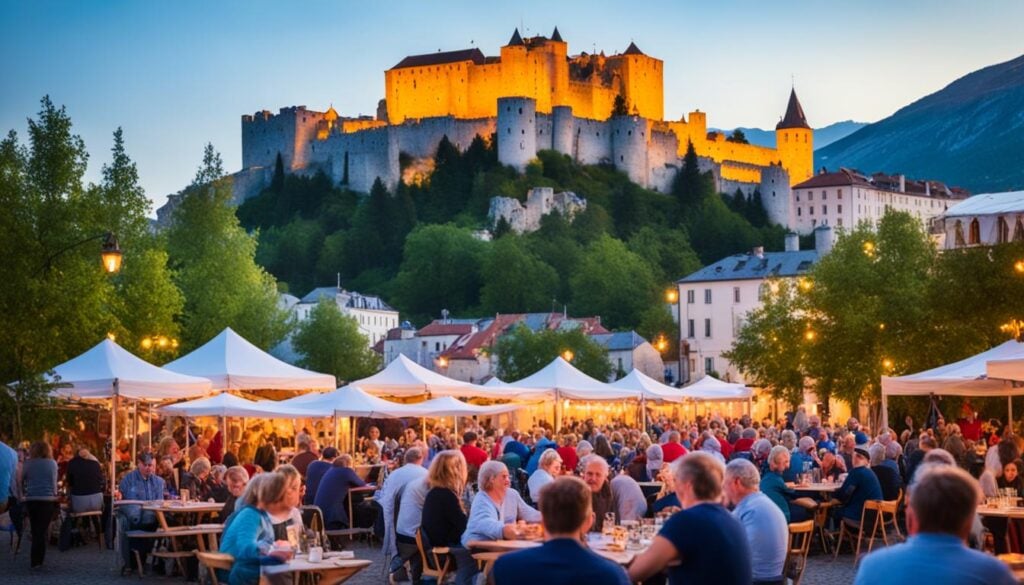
{"points": [[1019, 266], [567, 355], [110, 253], [672, 298]]}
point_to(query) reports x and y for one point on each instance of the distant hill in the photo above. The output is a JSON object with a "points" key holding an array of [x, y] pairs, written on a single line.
{"points": [[822, 136], [969, 134]]}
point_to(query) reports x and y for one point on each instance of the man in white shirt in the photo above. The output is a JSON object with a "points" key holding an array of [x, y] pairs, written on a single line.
{"points": [[394, 486], [763, 522], [410, 513]]}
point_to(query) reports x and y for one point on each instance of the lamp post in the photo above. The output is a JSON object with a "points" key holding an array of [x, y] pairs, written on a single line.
{"points": [[110, 253], [672, 297]]}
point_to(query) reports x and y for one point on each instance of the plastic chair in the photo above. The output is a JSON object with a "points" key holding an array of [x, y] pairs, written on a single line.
{"points": [[800, 536]]}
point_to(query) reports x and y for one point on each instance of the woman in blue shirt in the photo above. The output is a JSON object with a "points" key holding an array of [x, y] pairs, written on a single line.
{"points": [[249, 533]]}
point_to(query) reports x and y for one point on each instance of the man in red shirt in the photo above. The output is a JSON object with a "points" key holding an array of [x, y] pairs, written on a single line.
{"points": [[970, 427], [475, 456], [673, 449], [568, 453]]}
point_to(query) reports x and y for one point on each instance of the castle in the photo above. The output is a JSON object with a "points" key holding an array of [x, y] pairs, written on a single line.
{"points": [[540, 201], [533, 96]]}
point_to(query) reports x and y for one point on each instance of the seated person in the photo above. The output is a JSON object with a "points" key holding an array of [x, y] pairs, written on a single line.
{"points": [[249, 535], [235, 480], [595, 474], [564, 559], [195, 479], [774, 486], [332, 493], [804, 459], [169, 473], [496, 507], [285, 515], [630, 503], [218, 492], [144, 484], [444, 518], [549, 468], [84, 477], [860, 486], [888, 477]]}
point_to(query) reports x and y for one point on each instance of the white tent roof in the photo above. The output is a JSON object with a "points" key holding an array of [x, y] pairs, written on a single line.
{"points": [[966, 377], [347, 401], [711, 388], [649, 388], [404, 377], [93, 374], [988, 203], [449, 406], [230, 362], [1009, 369], [224, 404], [495, 382], [561, 378]]}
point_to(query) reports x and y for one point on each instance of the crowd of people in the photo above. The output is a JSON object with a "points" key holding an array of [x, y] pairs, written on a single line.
{"points": [[726, 488]]}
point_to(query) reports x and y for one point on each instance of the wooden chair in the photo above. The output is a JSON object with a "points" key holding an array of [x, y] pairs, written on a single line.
{"points": [[821, 513], [846, 528], [438, 563], [800, 536], [213, 561], [352, 531], [95, 520], [887, 512]]}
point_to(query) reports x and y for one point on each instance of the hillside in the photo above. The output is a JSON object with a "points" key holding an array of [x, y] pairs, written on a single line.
{"points": [[969, 134], [822, 136]]}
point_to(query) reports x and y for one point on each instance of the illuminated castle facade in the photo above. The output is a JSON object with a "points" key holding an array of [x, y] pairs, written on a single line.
{"points": [[533, 96]]}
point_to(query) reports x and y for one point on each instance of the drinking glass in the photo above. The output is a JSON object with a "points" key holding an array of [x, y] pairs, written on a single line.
{"points": [[609, 523]]}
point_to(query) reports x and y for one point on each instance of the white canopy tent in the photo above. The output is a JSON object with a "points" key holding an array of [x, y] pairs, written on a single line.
{"points": [[711, 388], [225, 405], [107, 370], [1006, 369], [967, 377], [347, 401], [649, 388], [404, 377], [450, 406], [230, 362]]}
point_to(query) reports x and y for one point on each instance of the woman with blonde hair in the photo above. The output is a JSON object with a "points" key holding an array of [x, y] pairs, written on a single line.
{"points": [[249, 533], [169, 447], [285, 514], [444, 515]]}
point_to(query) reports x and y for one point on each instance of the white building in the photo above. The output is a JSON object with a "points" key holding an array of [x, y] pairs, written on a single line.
{"points": [[982, 220], [425, 345], [845, 198], [374, 316], [628, 350], [715, 300]]}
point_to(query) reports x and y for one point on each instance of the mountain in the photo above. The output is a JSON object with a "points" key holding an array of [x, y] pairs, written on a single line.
{"points": [[969, 134], [822, 136]]}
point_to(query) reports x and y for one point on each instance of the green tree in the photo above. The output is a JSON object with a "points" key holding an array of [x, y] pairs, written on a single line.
{"points": [[440, 270], [523, 352], [213, 259], [667, 252], [277, 183], [614, 283], [330, 342], [738, 137], [620, 107], [691, 186], [771, 347], [516, 281]]}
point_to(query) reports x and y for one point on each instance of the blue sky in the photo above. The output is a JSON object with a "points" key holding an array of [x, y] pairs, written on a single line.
{"points": [[176, 74]]}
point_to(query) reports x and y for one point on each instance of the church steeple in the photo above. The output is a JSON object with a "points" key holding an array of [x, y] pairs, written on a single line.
{"points": [[517, 41], [794, 117], [556, 37]]}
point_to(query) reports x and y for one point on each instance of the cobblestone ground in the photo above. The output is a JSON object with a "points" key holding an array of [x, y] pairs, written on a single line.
{"points": [[86, 565]]}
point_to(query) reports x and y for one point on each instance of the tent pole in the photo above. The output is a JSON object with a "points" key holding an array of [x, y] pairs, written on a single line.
{"points": [[337, 439], [1009, 410], [113, 436], [455, 423], [750, 407], [186, 440], [885, 411], [558, 411], [135, 427], [150, 427]]}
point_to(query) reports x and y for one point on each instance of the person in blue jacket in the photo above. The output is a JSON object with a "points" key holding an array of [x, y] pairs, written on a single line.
{"points": [[249, 533]]}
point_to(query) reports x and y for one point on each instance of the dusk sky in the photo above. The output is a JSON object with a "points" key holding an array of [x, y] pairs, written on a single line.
{"points": [[178, 74]]}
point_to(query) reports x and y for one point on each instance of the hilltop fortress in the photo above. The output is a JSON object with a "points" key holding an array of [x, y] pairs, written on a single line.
{"points": [[533, 96]]}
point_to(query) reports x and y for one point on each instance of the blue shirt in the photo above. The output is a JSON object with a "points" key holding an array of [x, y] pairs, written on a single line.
{"points": [[798, 463], [562, 561], [711, 544], [248, 536], [8, 466], [542, 445], [314, 473], [519, 449], [774, 487], [332, 495], [935, 559], [860, 486], [134, 487], [767, 534], [487, 519]]}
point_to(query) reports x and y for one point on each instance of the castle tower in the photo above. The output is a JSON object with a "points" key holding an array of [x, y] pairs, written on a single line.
{"points": [[563, 129], [794, 141], [776, 195], [517, 131], [630, 136]]}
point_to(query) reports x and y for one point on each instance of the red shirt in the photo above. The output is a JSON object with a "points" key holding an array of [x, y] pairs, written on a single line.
{"points": [[970, 430], [726, 448], [474, 455], [672, 451], [742, 445], [569, 458]]}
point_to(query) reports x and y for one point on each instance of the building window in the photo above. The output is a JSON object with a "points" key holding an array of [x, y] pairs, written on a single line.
{"points": [[690, 294], [437, 346], [839, 222], [975, 232], [1004, 231], [839, 194], [707, 327], [824, 195], [689, 329], [798, 212], [707, 296], [798, 196], [735, 294], [810, 195], [840, 210], [1018, 231], [810, 210], [709, 365]]}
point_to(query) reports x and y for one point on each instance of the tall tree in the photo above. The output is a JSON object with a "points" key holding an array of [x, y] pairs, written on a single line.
{"points": [[330, 342], [516, 281], [440, 270], [523, 352], [213, 259], [614, 283]]}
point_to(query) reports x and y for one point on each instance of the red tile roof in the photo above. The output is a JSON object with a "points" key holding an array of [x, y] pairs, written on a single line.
{"points": [[468, 347], [439, 328]]}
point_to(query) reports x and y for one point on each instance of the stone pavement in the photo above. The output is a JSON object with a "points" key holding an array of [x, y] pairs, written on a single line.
{"points": [[86, 565]]}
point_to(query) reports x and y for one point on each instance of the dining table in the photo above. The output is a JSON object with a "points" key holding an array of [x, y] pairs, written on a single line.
{"points": [[596, 542], [334, 568]]}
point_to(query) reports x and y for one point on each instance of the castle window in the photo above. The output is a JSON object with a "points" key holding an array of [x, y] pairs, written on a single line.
{"points": [[975, 232], [509, 130], [840, 210], [523, 131], [520, 110], [810, 195], [839, 222], [798, 210], [798, 196], [810, 210], [824, 195], [824, 209]]}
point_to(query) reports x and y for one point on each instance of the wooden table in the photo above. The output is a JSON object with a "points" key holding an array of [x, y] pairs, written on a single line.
{"points": [[823, 488], [1016, 512], [331, 571], [174, 533], [621, 557]]}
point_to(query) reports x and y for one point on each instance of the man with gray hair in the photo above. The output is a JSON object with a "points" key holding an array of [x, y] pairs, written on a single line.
{"points": [[388, 497], [496, 507], [595, 475], [763, 522], [888, 477]]}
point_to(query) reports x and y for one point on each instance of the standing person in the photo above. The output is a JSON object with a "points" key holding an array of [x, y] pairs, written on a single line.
{"points": [[706, 540], [39, 477], [393, 487], [84, 477], [332, 493], [8, 471], [942, 504], [444, 518], [763, 521], [563, 559], [304, 457], [144, 484]]}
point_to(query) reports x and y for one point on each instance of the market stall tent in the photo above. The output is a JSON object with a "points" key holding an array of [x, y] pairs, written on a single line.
{"points": [[711, 388], [404, 377], [230, 362], [347, 401], [450, 406], [649, 388], [1005, 369], [561, 379], [225, 405], [967, 377]]}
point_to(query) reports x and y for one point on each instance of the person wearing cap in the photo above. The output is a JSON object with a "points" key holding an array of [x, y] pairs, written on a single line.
{"points": [[142, 483], [860, 486]]}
